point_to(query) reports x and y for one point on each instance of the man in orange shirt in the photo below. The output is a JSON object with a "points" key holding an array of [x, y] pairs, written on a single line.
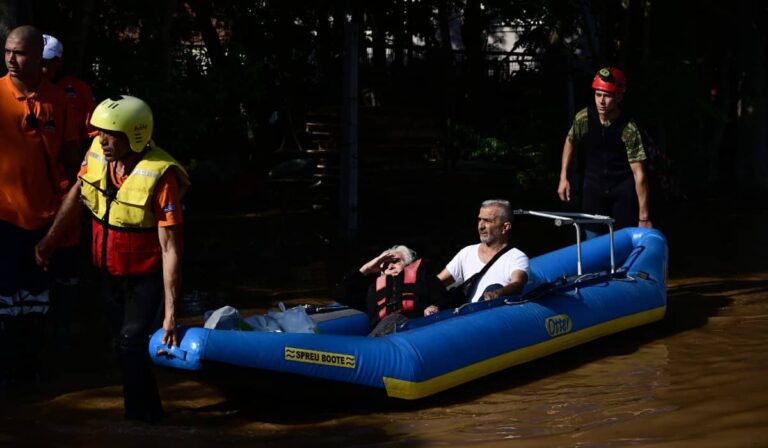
{"points": [[78, 91], [38, 145], [65, 266], [133, 190]]}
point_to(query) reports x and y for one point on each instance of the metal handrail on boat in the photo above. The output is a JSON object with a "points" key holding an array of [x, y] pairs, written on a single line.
{"points": [[576, 219]]}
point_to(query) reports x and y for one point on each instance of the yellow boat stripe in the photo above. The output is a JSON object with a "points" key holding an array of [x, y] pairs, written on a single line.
{"points": [[411, 390]]}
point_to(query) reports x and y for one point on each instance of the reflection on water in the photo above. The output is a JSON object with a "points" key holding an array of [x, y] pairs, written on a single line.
{"points": [[698, 377]]}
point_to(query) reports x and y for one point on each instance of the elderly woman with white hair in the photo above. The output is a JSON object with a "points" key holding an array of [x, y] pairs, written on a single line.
{"points": [[392, 287]]}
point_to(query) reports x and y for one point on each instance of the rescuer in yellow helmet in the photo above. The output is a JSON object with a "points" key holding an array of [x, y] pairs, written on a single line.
{"points": [[133, 190]]}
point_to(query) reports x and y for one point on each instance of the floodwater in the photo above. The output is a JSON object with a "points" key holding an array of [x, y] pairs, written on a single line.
{"points": [[697, 378]]}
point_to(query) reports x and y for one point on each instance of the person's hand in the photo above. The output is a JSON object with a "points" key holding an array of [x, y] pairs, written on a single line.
{"points": [[564, 190], [170, 337], [490, 295], [43, 252], [430, 310], [645, 223], [378, 264]]}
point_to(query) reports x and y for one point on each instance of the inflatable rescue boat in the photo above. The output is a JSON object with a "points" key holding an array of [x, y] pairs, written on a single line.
{"points": [[574, 295]]}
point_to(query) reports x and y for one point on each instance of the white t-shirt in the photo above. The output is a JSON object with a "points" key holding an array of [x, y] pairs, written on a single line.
{"points": [[467, 263]]}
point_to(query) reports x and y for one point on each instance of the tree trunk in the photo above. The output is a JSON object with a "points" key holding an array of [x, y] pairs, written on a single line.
{"points": [[750, 149], [21, 12], [379, 41], [202, 12], [625, 50], [646, 30], [472, 33], [348, 199], [166, 40], [716, 132], [450, 155], [592, 38], [760, 77], [399, 44], [75, 57], [16, 12]]}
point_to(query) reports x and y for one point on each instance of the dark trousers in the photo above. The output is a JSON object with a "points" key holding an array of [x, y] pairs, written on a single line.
{"points": [[21, 327], [388, 325], [134, 307], [65, 294], [619, 201]]}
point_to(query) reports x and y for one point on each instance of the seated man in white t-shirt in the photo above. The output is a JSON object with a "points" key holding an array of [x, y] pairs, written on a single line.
{"points": [[510, 271]]}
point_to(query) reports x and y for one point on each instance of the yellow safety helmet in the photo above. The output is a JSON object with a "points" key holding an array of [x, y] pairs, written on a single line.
{"points": [[126, 114]]}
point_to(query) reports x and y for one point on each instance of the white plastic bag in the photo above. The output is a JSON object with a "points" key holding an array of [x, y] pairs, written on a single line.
{"points": [[293, 320], [225, 318], [263, 323]]}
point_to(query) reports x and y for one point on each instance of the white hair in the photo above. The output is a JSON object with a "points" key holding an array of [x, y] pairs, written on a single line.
{"points": [[503, 204], [407, 253]]}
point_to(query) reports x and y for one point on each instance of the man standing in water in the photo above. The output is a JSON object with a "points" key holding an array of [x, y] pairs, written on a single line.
{"points": [[65, 290], [38, 152], [509, 270], [133, 189], [615, 181]]}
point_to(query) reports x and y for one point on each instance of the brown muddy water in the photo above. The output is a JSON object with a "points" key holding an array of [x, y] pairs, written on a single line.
{"points": [[697, 378]]}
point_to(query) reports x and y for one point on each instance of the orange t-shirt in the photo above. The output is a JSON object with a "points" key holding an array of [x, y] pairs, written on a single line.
{"points": [[83, 102], [166, 199], [33, 130]]}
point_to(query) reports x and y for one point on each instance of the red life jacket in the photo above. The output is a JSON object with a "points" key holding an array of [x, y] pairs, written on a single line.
{"points": [[125, 235], [406, 297], [123, 251]]}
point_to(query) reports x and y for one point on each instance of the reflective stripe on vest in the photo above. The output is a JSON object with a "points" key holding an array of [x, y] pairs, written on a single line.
{"points": [[131, 207], [407, 296], [125, 240]]}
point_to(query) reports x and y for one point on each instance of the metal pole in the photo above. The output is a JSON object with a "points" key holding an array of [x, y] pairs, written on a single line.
{"points": [[613, 262], [578, 248], [576, 219]]}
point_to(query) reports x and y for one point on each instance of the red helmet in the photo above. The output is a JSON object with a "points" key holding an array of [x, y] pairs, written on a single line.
{"points": [[610, 79]]}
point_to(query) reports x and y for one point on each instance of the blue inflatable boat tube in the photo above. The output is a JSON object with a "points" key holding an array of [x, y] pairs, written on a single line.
{"points": [[557, 310]]}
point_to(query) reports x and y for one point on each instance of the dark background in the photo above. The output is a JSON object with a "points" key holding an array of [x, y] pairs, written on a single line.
{"points": [[251, 97]]}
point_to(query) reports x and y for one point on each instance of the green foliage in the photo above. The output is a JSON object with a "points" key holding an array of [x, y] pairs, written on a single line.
{"points": [[214, 71], [526, 160], [490, 148]]}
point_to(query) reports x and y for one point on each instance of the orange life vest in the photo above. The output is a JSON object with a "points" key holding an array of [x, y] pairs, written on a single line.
{"points": [[389, 300]]}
